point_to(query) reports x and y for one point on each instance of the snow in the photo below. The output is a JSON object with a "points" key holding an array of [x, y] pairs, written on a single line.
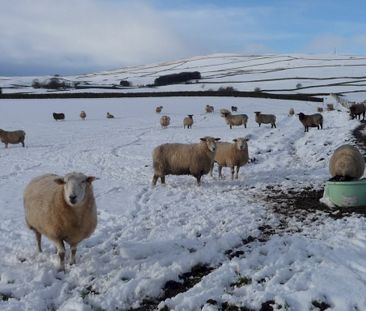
{"points": [[147, 236], [284, 74]]}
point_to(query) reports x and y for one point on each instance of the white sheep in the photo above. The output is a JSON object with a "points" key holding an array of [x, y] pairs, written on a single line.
{"points": [[61, 208], [346, 163], [158, 109], [82, 114], [184, 159], [12, 137], [164, 121], [188, 121], [291, 112], [235, 120], [231, 155], [265, 119], [209, 109]]}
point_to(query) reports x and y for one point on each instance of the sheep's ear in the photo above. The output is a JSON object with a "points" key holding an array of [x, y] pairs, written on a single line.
{"points": [[90, 179], [235, 140], [203, 139], [217, 138], [59, 181], [246, 139]]}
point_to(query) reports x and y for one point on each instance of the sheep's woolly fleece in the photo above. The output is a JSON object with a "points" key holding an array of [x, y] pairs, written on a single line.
{"points": [[147, 236]]}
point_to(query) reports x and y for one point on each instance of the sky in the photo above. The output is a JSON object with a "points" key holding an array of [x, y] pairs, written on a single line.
{"points": [[46, 37]]}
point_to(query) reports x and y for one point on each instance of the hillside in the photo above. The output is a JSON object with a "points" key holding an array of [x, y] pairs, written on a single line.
{"points": [[278, 74]]}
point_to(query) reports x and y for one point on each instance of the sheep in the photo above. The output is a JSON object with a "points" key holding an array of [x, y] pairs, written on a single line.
{"points": [[234, 108], [330, 107], [346, 163], [184, 159], [164, 121], [320, 109], [59, 116], [63, 209], [291, 112], [82, 114], [158, 109], [188, 121], [209, 108], [265, 119], [237, 119], [223, 111], [12, 137], [356, 110], [231, 155], [312, 120], [110, 116]]}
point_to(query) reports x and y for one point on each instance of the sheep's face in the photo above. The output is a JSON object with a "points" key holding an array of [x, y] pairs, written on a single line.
{"points": [[241, 143], [210, 142], [75, 185]]}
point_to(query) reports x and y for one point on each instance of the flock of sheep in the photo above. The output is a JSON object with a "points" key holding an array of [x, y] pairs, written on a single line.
{"points": [[61, 116], [63, 208]]}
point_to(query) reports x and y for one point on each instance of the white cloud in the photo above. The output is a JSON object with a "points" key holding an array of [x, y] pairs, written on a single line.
{"points": [[84, 33]]}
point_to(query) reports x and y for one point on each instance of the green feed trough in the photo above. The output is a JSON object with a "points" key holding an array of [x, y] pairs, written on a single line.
{"points": [[346, 193]]}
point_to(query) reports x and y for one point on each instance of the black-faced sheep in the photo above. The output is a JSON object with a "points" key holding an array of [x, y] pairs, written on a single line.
{"points": [[234, 108], [184, 159], [356, 110], [235, 120], [61, 208], [312, 120], [82, 114], [12, 137], [164, 121], [158, 109], [265, 119], [209, 109], [346, 163], [188, 121], [231, 155], [58, 116], [110, 116]]}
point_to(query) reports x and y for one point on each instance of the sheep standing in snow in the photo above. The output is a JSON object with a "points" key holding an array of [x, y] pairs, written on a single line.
{"points": [[312, 120], [164, 121], [356, 110], [188, 121], [234, 108], [291, 112], [231, 155], [61, 208], [82, 114], [158, 109], [184, 159], [110, 116], [12, 137], [235, 120], [265, 119], [58, 116], [346, 163], [209, 109]]}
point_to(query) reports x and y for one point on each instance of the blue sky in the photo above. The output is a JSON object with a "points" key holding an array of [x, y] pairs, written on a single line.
{"points": [[80, 36]]}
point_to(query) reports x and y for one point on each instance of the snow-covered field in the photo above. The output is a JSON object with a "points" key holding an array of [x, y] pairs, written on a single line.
{"points": [[147, 236], [283, 74]]}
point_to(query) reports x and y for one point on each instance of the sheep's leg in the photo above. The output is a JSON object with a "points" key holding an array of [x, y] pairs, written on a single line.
{"points": [[237, 172], [211, 169], [245, 125], [220, 171], [162, 179], [155, 179], [198, 177], [275, 125], [38, 238], [232, 172], [73, 248], [6, 145], [61, 253], [23, 144], [231, 126]]}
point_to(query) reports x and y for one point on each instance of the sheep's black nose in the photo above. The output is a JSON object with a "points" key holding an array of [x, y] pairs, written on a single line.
{"points": [[72, 198]]}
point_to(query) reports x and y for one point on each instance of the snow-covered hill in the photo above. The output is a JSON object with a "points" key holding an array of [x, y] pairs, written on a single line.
{"points": [[284, 74], [219, 245]]}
